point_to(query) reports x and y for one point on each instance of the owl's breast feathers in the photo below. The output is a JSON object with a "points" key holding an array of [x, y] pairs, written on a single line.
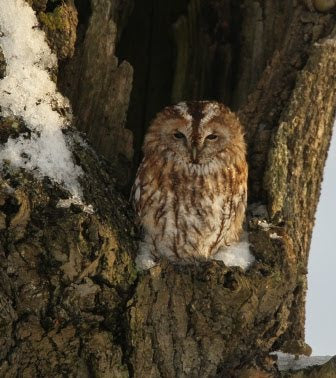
{"points": [[189, 211]]}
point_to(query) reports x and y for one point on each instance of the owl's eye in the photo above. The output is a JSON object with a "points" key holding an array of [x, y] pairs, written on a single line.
{"points": [[212, 136], [179, 135]]}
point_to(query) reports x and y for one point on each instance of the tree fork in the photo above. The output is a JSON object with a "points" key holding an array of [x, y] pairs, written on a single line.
{"points": [[72, 302]]}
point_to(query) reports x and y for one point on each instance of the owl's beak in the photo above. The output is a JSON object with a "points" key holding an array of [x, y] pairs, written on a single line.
{"points": [[194, 154]]}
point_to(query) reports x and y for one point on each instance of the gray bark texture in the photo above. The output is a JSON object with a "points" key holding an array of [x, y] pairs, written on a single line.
{"points": [[72, 302]]}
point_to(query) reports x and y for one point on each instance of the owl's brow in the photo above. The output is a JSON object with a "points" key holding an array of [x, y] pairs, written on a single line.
{"points": [[202, 113], [195, 109], [177, 112], [182, 111], [210, 112], [197, 112]]}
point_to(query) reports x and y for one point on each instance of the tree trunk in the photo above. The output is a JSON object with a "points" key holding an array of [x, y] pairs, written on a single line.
{"points": [[72, 301]]}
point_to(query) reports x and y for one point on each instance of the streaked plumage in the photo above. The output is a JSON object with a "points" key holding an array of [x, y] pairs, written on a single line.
{"points": [[190, 189]]}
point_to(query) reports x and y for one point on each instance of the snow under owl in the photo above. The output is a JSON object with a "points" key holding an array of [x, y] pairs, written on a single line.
{"points": [[191, 187]]}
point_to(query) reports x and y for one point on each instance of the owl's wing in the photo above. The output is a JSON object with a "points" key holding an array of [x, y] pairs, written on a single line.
{"points": [[136, 196], [142, 192]]}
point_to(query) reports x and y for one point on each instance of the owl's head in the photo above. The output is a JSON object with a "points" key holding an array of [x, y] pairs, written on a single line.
{"points": [[196, 133]]}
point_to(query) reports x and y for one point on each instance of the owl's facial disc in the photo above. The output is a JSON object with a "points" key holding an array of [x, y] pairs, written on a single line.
{"points": [[197, 133]]}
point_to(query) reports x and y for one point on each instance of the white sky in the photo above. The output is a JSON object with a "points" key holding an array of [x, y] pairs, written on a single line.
{"points": [[321, 298]]}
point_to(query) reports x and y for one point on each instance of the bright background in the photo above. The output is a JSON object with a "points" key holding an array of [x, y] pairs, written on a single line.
{"points": [[321, 297]]}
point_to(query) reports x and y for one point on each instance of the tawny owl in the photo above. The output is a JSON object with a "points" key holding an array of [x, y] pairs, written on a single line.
{"points": [[190, 189]]}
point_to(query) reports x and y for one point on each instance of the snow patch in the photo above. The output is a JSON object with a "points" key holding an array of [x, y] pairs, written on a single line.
{"points": [[274, 235], [291, 362], [144, 259], [27, 92], [66, 203], [237, 254], [264, 225]]}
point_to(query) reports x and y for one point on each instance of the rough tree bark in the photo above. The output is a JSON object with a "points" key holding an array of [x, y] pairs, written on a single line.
{"points": [[72, 302]]}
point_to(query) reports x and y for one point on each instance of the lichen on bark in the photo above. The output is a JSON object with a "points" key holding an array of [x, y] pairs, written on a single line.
{"points": [[72, 301], [60, 28], [297, 155], [99, 87], [210, 320], [66, 274]]}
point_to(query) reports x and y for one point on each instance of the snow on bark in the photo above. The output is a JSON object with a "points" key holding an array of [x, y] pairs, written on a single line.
{"points": [[236, 254], [27, 92], [290, 362]]}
